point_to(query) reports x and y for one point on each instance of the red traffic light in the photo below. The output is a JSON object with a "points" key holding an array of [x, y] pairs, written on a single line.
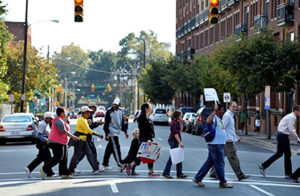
{"points": [[214, 2], [78, 1]]}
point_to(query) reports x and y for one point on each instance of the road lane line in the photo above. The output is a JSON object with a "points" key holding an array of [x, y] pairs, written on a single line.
{"points": [[261, 190], [114, 188]]}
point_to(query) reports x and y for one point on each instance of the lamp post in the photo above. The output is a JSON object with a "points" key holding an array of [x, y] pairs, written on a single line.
{"points": [[23, 98]]}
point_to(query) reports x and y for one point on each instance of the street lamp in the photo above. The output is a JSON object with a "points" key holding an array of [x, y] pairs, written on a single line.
{"points": [[24, 56]]}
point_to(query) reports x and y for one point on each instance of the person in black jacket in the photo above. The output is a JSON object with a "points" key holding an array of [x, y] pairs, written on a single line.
{"points": [[113, 125], [132, 160], [146, 129]]}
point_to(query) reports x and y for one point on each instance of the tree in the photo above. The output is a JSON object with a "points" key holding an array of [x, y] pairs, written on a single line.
{"points": [[40, 73], [5, 38]]}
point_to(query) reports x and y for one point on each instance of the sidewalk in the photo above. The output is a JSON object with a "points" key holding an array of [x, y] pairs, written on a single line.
{"points": [[270, 144]]}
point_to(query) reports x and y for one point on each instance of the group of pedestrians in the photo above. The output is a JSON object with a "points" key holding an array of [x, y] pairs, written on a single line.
{"points": [[53, 134]]}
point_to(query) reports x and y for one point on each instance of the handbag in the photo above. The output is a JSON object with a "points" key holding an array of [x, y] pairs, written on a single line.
{"points": [[209, 132]]}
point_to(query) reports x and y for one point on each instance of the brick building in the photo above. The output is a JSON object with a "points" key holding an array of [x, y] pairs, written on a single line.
{"points": [[195, 36], [17, 29]]}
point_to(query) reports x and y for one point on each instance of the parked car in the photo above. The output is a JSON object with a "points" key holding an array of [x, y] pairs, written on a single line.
{"points": [[159, 116], [186, 120], [200, 118], [190, 124], [18, 126], [100, 113], [136, 115], [185, 109]]}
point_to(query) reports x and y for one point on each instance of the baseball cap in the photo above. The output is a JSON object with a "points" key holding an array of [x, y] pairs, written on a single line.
{"points": [[85, 109], [92, 104], [48, 115], [117, 101]]}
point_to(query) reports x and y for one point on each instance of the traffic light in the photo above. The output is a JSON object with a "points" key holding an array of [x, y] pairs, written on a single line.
{"points": [[93, 88], [213, 12], [60, 88], [108, 87], [78, 11]]}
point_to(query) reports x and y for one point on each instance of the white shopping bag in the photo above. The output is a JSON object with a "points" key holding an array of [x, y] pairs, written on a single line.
{"points": [[177, 155]]}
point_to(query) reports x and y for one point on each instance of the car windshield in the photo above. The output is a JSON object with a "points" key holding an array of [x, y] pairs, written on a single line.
{"points": [[187, 115], [160, 111], [16, 119]]}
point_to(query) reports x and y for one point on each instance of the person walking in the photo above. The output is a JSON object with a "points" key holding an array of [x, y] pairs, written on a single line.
{"points": [[82, 147], [296, 175], [42, 142], [113, 125], [231, 138], [215, 150], [286, 127], [58, 139], [175, 141], [89, 138], [257, 122], [147, 133]]}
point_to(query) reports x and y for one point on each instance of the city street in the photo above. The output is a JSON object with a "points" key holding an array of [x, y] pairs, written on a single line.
{"points": [[15, 156]]}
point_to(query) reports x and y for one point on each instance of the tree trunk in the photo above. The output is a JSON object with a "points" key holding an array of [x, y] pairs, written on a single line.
{"points": [[246, 113]]}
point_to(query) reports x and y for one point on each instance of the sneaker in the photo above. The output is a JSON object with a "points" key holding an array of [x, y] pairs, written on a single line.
{"points": [[66, 176], [74, 173], [262, 170], [243, 177], [287, 177], [28, 173], [97, 172], [77, 171], [107, 167], [167, 176], [182, 176], [122, 168], [134, 174], [51, 177], [42, 173], [128, 168], [199, 183], [152, 174], [101, 168], [225, 185], [295, 180]]}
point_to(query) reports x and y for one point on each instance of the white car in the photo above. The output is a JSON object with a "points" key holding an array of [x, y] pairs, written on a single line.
{"points": [[186, 118], [18, 126], [159, 116]]}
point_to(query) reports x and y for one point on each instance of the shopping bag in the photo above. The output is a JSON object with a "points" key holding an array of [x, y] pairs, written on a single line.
{"points": [[177, 155], [149, 153]]}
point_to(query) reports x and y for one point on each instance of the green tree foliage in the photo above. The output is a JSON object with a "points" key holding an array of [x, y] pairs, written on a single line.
{"points": [[155, 84], [5, 38], [71, 59], [40, 73]]}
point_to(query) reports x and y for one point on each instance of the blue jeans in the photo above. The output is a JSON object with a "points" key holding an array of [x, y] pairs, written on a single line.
{"points": [[216, 158], [173, 144], [283, 147]]}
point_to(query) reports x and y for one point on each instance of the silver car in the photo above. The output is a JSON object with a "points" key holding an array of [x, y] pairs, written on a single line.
{"points": [[159, 116], [18, 126]]}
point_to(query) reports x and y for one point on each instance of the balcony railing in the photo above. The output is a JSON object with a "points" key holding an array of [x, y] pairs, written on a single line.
{"points": [[260, 23], [285, 14]]}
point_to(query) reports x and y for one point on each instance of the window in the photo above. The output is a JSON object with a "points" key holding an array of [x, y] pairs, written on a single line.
{"points": [[292, 36], [216, 32], [211, 35]]}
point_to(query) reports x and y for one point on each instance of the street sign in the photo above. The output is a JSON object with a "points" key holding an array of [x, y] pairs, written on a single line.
{"points": [[211, 94], [267, 97], [11, 98], [226, 97], [23, 98]]}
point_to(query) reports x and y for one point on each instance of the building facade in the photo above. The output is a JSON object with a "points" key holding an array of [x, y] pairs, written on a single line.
{"points": [[17, 29], [195, 36]]}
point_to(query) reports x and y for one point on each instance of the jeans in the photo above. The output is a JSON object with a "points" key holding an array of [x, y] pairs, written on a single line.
{"points": [[173, 144], [216, 158], [283, 147]]}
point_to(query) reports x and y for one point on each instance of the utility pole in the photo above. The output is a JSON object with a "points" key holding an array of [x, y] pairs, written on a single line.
{"points": [[23, 98], [144, 65]]}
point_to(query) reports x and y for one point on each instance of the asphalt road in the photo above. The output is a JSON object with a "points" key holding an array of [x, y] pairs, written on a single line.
{"points": [[15, 156]]}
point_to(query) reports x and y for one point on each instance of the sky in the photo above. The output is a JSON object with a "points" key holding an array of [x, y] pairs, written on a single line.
{"points": [[106, 22]]}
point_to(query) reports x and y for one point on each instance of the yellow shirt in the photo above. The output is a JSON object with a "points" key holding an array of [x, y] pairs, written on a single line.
{"points": [[83, 127]]}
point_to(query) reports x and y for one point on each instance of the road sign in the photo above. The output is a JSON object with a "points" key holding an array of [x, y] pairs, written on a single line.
{"points": [[23, 98], [11, 98], [267, 97], [226, 97], [211, 94]]}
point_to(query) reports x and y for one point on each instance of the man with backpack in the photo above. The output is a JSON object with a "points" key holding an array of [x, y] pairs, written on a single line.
{"points": [[215, 149]]}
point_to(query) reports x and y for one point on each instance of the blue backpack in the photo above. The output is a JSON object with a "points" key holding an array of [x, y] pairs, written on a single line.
{"points": [[209, 132]]}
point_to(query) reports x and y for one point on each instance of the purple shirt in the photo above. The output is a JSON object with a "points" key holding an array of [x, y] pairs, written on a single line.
{"points": [[175, 129]]}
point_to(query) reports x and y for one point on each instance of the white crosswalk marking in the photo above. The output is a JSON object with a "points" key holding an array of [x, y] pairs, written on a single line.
{"points": [[114, 188], [261, 190]]}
